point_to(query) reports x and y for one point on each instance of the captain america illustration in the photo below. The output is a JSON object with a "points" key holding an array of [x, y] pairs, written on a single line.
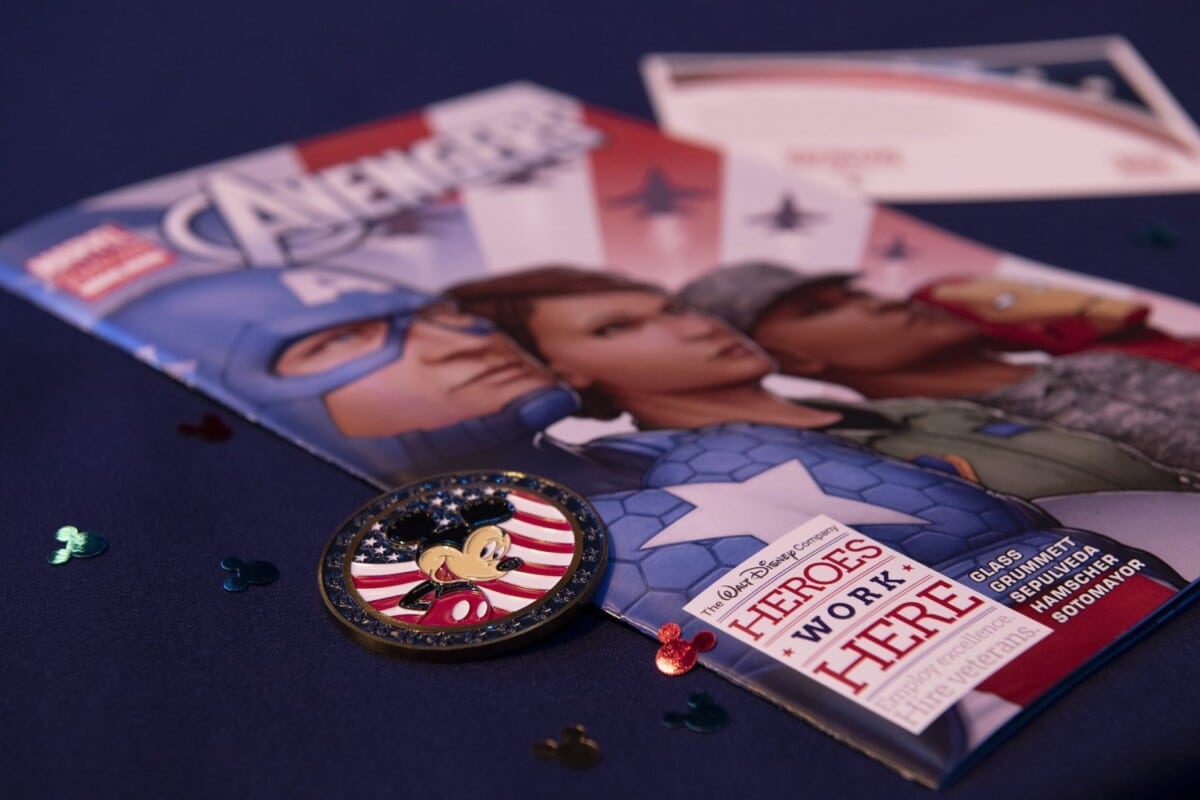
{"points": [[389, 381], [700, 500]]}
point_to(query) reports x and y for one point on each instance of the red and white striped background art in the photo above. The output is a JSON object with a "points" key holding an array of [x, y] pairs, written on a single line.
{"points": [[542, 537]]}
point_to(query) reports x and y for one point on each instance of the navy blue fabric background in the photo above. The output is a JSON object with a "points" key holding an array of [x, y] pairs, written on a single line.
{"points": [[134, 675]]}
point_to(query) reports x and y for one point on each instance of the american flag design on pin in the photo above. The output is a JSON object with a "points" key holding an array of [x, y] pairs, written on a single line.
{"points": [[542, 537], [464, 562]]}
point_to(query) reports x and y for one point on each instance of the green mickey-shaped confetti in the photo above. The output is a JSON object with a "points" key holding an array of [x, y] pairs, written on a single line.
{"points": [[77, 544]]}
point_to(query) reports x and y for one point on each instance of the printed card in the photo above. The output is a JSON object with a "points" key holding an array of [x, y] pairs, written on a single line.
{"points": [[868, 622], [1045, 119]]}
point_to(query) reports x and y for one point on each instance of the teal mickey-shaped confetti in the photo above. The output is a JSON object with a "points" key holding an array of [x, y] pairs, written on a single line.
{"points": [[76, 544], [1156, 235], [247, 574], [703, 715]]}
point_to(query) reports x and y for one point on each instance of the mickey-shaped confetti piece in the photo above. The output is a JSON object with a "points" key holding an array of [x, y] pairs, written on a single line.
{"points": [[257, 573], [1156, 235], [702, 716], [211, 429], [76, 544], [678, 655], [575, 750]]}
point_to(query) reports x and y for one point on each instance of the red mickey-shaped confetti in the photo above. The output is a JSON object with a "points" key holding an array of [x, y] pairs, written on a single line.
{"points": [[677, 655]]}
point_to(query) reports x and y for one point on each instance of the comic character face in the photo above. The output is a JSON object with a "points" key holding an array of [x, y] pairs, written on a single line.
{"points": [[452, 368], [829, 326], [638, 340], [483, 557], [1010, 302]]}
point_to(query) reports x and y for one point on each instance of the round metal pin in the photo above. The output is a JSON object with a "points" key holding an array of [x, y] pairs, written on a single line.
{"points": [[463, 564]]}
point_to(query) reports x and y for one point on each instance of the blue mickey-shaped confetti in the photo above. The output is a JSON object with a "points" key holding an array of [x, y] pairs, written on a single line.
{"points": [[77, 544], [246, 574], [703, 715]]}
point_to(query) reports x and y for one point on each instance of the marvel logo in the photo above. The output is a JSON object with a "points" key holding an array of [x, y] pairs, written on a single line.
{"points": [[98, 261]]}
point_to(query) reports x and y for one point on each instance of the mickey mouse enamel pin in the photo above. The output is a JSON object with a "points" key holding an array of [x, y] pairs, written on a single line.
{"points": [[463, 564]]}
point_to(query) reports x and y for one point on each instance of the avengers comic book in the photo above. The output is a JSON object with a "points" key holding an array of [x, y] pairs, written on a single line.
{"points": [[914, 485]]}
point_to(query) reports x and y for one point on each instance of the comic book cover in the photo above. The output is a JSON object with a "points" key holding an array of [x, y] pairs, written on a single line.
{"points": [[914, 485]]}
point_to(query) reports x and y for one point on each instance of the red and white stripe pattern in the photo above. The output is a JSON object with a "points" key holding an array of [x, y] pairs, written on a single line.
{"points": [[542, 537], [570, 216]]}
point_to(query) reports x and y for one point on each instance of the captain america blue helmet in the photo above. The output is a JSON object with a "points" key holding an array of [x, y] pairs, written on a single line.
{"points": [[234, 325]]}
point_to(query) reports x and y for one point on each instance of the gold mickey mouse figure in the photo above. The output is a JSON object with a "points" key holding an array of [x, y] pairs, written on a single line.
{"points": [[456, 555], [576, 750]]}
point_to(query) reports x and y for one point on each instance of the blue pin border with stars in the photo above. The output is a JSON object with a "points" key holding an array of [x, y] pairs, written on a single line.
{"points": [[381, 632]]}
